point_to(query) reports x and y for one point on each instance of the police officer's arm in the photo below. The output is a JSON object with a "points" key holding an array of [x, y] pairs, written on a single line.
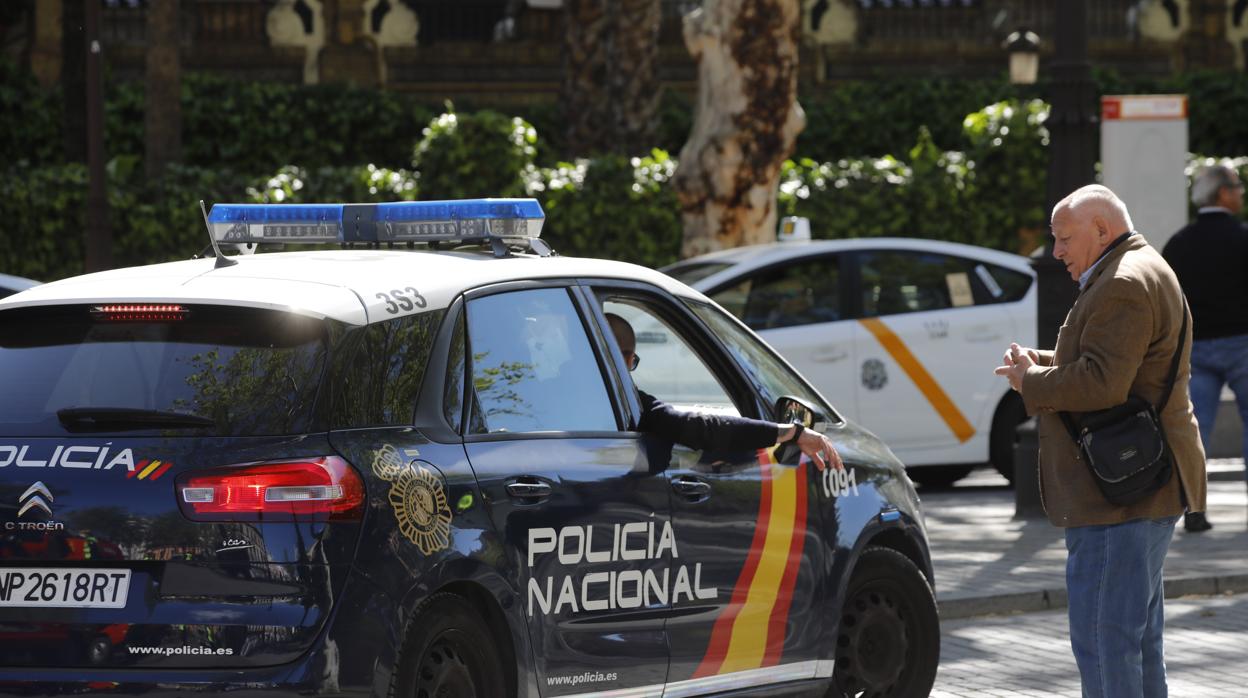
{"points": [[703, 431]]}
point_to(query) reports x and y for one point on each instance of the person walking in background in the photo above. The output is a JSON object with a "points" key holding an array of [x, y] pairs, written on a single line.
{"points": [[1210, 257], [1119, 339]]}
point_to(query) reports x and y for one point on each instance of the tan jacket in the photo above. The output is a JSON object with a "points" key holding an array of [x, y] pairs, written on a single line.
{"points": [[1119, 339]]}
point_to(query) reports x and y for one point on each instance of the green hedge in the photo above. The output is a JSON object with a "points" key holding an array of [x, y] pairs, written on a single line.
{"points": [[260, 126]]}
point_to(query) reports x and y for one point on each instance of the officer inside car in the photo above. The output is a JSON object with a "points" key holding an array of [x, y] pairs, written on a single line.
{"points": [[721, 432]]}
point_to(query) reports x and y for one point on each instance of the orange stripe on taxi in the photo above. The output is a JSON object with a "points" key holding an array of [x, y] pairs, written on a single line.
{"points": [[927, 385]]}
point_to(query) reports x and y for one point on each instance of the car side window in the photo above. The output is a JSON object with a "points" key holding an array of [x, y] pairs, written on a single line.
{"points": [[533, 368], [381, 377], [668, 367], [1002, 285], [769, 375], [907, 281], [801, 293]]}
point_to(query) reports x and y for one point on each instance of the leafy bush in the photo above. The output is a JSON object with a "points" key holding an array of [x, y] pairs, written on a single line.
{"points": [[474, 155], [611, 207], [30, 119], [1007, 142]]}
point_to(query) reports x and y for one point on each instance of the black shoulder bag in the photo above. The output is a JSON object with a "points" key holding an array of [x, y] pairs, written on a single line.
{"points": [[1125, 446]]}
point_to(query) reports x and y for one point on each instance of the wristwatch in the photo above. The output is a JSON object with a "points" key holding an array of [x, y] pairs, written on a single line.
{"points": [[797, 434]]}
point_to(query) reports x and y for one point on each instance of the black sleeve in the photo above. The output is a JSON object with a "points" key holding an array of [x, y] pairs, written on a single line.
{"points": [[703, 431]]}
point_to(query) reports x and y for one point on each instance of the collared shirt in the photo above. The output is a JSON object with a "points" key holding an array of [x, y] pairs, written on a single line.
{"points": [[1083, 278], [1213, 209]]}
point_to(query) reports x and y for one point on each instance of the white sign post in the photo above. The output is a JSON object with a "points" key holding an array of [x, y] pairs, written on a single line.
{"points": [[1143, 156]]}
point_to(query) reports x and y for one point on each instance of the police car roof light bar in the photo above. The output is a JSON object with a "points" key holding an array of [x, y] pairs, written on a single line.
{"points": [[467, 221]]}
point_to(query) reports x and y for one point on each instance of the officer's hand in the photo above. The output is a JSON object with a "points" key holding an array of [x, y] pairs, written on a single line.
{"points": [[819, 448]]}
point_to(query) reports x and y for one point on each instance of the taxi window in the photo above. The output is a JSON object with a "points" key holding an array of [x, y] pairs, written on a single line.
{"points": [[802, 293], [533, 368], [906, 281], [668, 367], [770, 376]]}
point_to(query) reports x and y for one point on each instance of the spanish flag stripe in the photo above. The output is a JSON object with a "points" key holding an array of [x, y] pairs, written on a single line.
{"points": [[749, 633], [148, 470], [713, 660], [137, 468], [162, 470], [926, 384], [780, 614]]}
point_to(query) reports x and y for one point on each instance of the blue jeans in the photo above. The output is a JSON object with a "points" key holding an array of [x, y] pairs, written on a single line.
{"points": [[1117, 614], [1215, 363]]}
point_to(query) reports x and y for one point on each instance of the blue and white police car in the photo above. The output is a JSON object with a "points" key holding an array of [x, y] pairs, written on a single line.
{"points": [[410, 467]]}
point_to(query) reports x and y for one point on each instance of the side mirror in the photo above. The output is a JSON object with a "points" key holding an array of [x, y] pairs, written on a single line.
{"points": [[794, 410]]}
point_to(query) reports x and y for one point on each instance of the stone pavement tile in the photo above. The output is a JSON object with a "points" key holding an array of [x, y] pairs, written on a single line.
{"points": [[1029, 654], [986, 561]]}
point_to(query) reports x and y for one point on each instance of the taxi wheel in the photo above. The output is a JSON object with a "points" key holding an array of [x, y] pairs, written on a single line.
{"points": [[888, 640], [1010, 413], [449, 653]]}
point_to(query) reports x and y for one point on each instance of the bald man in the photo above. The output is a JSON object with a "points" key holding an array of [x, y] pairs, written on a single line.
{"points": [[1119, 339]]}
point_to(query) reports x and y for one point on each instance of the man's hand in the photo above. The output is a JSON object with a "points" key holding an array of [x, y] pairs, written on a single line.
{"points": [[1016, 361], [819, 448]]}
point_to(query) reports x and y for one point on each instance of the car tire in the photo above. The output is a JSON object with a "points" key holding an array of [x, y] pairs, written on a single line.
{"points": [[888, 638], [1010, 413], [938, 475], [449, 652]]}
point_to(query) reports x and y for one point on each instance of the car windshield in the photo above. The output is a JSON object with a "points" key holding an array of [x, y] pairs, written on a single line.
{"points": [[692, 272], [249, 372]]}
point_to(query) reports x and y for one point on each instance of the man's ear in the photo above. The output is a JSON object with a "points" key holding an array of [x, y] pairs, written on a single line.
{"points": [[1102, 229]]}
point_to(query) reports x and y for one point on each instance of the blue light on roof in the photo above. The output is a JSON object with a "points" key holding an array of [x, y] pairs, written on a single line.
{"points": [[466, 220]]}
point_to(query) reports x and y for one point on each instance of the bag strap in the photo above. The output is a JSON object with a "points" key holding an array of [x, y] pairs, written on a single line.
{"points": [[1165, 396]]}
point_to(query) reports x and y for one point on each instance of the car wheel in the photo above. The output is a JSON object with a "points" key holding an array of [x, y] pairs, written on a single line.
{"points": [[449, 653], [938, 475], [1010, 413], [888, 640]]}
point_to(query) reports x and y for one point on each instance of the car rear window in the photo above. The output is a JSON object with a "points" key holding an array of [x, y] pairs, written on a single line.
{"points": [[250, 371]]}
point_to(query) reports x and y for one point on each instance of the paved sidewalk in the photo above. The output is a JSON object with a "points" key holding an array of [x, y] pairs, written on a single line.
{"points": [[988, 562]]}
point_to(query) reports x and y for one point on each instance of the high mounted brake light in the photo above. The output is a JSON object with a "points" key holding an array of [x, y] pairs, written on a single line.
{"points": [[313, 489], [140, 312], [470, 220]]}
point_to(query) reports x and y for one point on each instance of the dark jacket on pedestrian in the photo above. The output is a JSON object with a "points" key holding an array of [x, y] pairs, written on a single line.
{"points": [[1119, 339], [1210, 257]]}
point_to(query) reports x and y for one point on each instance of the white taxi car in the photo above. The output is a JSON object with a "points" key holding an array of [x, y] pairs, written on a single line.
{"points": [[901, 334]]}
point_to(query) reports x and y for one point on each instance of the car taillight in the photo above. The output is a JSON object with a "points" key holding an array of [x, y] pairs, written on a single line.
{"points": [[312, 489]]}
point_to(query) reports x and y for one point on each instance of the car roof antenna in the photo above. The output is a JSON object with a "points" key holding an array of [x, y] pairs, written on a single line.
{"points": [[222, 260]]}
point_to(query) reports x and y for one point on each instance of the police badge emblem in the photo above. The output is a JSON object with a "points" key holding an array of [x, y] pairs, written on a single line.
{"points": [[418, 500]]}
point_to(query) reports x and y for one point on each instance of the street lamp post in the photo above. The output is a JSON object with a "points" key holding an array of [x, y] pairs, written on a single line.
{"points": [[1072, 164], [1072, 153]]}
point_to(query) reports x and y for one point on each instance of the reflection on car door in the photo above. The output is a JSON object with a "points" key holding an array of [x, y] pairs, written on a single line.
{"points": [[925, 351], [586, 524], [799, 309], [745, 565]]}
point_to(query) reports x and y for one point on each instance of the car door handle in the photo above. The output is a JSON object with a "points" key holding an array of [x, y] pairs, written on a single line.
{"points": [[830, 356], [691, 487], [531, 490]]}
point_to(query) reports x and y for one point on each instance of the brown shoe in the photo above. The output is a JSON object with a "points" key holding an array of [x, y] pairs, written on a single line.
{"points": [[1196, 522]]}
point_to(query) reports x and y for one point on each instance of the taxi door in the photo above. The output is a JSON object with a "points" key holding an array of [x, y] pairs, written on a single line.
{"points": [[923, 349], [585, 524], [743, 577]]}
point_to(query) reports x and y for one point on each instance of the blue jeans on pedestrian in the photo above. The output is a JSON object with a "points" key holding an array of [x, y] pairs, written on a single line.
{"points": [[1215, 363], [1116, 602]]}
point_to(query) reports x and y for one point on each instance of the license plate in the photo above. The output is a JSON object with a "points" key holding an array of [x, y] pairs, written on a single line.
{"points": [[63, 588]]}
